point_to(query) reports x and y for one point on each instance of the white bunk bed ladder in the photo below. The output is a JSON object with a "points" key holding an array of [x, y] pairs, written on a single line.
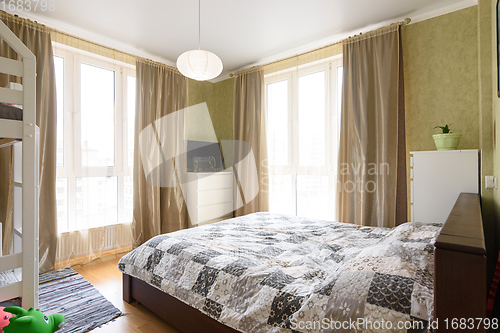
{"points": [[28, 132]]}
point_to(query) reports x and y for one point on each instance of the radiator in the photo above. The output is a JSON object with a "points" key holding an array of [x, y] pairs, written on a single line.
{"points": [[122, 235], [82, 243], [109, 238]]}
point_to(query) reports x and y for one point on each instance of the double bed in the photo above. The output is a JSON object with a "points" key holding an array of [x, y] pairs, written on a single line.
{"points": [[273, 273]]}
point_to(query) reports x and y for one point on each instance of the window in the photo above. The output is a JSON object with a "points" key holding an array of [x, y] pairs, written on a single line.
{"points": [[95, 139], [303, 110]]}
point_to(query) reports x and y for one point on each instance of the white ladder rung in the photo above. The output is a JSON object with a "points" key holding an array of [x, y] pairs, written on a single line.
{"points": [[19, 232], [18, 184], [11, 261], [12, 67], [11, 129], [10, 291], [11, 96], [8, 142]]}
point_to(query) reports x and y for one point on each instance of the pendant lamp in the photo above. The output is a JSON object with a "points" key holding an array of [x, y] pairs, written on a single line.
{"points": [[198, 64]]}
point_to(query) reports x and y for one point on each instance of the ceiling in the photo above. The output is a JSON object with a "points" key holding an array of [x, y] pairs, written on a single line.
{"points": [[240, 32]]}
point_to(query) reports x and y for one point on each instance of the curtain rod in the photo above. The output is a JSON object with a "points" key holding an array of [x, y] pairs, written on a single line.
{"points": [[403, 23]]}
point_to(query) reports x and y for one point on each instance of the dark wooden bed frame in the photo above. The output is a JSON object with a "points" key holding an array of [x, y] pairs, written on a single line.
{"points": [[459, 277], [460, 289]]}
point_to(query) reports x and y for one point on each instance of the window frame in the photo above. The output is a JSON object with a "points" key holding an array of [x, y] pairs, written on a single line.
{"points": [[72, 168], [293, 169]]}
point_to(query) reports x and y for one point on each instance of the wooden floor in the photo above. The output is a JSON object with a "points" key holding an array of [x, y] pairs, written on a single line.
{"points": [[105, 276]]}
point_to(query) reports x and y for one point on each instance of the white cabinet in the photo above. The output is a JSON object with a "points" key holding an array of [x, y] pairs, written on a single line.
{"points": [[209, 196], [437, 178]]}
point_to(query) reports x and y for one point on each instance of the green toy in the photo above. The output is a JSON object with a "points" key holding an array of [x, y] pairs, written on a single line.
{"points": [[32, 321]]}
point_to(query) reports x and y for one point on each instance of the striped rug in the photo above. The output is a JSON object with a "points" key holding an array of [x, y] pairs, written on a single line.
{"points": [[68, 293]]}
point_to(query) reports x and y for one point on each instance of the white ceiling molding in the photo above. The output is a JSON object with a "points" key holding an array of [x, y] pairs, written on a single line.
{"points": [[92, 36]]}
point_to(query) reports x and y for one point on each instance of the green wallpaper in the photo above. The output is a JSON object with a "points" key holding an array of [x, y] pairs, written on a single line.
{"points": [[485, 84], [491, 102], [441, 78], [450, 78], [223, 115], [219, 98], [486, 127], [491, 99], [199, 92]]}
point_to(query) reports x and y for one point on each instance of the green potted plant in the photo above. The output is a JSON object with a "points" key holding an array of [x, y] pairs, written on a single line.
{"points": [[446, 140]]}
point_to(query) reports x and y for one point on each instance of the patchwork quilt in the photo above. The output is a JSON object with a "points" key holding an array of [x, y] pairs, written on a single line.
{"points": [[265, 272]]}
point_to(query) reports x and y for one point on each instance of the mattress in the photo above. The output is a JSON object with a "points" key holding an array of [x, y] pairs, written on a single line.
{"points": [[10, 112], [273, 273]]}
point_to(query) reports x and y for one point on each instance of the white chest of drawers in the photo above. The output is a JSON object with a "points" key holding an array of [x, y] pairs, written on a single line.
{"points": [[437, 179], [209, 196]]}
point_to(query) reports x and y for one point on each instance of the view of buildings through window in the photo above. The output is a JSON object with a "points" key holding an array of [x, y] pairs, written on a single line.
{"points": [[95, 139], [303, 110]]}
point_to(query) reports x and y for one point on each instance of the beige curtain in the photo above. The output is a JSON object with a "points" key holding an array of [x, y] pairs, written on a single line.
{"points": [[86, 241], [38, 40], [250, 165], [159, 206], [372, 165]]}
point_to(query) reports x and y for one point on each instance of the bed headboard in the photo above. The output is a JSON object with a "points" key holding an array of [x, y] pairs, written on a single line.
{"points": [[460, 289]]}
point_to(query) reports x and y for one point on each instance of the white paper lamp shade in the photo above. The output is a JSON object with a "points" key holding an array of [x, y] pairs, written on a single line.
{"points": [[199, 65]]}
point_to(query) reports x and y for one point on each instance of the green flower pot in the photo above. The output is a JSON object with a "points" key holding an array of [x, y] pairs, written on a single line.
{"points": [[448, 141]]}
